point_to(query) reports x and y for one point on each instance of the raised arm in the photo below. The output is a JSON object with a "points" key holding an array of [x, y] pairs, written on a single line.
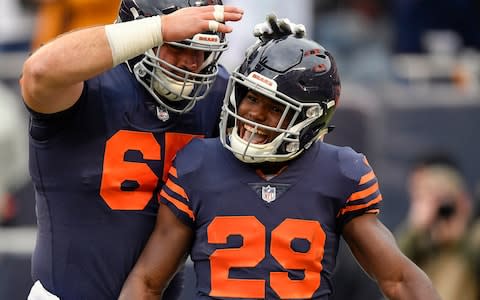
{"points": [[53, 76], [375, 249], [164, 253]]}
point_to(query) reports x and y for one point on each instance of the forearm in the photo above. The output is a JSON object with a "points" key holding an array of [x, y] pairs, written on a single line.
{"points": [[165, 252], [412, 285], [136, 287], [71, 58], [375, 249], [53, 76]]}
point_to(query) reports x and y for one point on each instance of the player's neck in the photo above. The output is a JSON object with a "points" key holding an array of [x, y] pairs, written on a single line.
{"points": [[269, 170]]}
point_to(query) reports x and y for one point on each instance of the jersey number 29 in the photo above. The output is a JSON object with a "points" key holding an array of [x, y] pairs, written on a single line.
{"points": [[252, 252]]}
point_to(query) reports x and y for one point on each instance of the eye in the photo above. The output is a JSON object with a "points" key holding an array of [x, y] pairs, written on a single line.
{"points": [[174, 48], [277, 109], [252, 98]]}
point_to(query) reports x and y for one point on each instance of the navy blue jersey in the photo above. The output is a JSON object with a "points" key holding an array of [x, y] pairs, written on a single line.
{"points": [[97, 169], [258, 239]]}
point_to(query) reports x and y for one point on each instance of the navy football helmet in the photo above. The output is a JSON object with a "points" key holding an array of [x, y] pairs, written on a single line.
{"points": [[297, 73], [164, 81]]}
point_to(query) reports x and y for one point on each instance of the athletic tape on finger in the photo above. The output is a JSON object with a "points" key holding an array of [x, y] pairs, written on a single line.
{"points": [[213, 26], [218, 13]]}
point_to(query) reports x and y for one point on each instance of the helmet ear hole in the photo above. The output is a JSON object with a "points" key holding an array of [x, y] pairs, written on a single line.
{"points": [[310, 132]]}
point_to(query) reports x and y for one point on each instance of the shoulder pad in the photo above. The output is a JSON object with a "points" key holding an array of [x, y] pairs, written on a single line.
{"points": [[353, 165]]}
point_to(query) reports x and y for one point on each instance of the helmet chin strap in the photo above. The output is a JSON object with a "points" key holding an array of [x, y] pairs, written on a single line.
{"points": [[170, 88]]}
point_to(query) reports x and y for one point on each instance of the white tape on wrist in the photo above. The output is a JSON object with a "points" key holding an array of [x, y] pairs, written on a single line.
{"points": [[130, 39]]}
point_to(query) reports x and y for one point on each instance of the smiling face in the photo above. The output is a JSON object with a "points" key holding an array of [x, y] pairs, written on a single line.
{"points": [[263, 110]]}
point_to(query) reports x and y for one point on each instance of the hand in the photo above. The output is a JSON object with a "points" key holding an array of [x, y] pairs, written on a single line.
{"points": [[186, 22], [452, 229], [274, 28]]}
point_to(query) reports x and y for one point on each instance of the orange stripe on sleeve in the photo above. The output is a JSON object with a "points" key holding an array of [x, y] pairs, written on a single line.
{"points": [[173, 171], [365, 160], [178, 204], [176, 188], [367, 177], [364, 193], [359, 206]]}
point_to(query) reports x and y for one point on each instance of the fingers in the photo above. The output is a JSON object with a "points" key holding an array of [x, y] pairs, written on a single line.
{"points": [[300, 31], [213, 26], [218, 13], [186, 22], [224, 13], [276, 28], [221, 14], [285, 26], [261, 29], [272, 21]]}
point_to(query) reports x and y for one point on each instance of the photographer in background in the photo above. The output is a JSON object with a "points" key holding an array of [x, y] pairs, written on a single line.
{"points": [[436, 233]]}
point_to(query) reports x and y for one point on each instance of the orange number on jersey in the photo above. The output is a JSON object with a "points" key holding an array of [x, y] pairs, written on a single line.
{"points": [[309, 261], [248, 255], [252, 252], [116, 170], [174, 141]]}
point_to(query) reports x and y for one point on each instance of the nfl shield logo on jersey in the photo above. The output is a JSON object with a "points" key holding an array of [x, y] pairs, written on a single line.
{"points": [[162, 114], [269, 193]]}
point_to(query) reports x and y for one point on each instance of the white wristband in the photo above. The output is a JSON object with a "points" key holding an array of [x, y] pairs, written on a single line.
{"points": [[130, 39]]}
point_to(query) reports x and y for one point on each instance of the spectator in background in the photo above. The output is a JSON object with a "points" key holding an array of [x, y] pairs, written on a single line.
{"points": [[436, 232], [13, 162], [58, 16], [414, 19], [15, 26], [363, 43]]}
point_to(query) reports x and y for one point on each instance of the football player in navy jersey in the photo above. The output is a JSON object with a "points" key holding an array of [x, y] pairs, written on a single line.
{"points": [[261, 209], [103, 134]]}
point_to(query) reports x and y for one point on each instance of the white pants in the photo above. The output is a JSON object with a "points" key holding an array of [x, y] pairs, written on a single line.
{"points": [[38, 292]]}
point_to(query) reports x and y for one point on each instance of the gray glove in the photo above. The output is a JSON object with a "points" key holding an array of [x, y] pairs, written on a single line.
{"points": [[274, 28]]}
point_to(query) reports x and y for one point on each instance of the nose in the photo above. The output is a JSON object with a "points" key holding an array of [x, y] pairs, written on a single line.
{"points": [[190, 60], [258, 113]]}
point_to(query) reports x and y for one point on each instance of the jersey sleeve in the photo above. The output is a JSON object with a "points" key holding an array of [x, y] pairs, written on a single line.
{"points": [[364, 196], [174, 193], [174, 196]]}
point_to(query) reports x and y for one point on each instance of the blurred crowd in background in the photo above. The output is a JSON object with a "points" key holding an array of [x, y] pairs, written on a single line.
{"points": [[410, 83]]}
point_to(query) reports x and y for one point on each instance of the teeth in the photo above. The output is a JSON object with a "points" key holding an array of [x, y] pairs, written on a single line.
{"points": [[259, 137], [253, 130]]}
